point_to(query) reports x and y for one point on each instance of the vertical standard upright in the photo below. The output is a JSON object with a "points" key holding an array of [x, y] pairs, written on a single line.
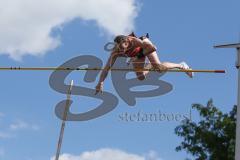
{"points": [[237, 146], [63, 121]]}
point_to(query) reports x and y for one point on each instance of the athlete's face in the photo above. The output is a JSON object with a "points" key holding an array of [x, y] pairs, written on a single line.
{"points": [[125, 44]]}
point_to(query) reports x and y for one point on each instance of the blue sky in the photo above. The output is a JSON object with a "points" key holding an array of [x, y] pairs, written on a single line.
{"points": [[181, 30]]}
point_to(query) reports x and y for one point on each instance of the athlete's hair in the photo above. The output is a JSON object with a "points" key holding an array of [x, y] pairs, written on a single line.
{"points": [[119, 38]]}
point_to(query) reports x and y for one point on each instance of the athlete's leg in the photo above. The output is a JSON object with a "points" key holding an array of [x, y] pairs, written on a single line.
{"points": [[171, 65], [154, 59], [155, 62], [138, 64]]}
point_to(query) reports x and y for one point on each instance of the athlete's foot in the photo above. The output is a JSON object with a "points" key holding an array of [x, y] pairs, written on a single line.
{"points": [[184, 66]]}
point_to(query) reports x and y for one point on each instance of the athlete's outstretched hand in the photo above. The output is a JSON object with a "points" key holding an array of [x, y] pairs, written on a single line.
{"points": [[99, 88]]}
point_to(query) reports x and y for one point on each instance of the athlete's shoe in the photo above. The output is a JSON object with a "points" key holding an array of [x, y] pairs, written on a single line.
{"points": [[186, 67]]}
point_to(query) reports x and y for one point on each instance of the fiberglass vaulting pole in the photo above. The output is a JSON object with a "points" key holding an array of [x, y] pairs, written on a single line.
{"points": [[59, 145], [237, 146]]}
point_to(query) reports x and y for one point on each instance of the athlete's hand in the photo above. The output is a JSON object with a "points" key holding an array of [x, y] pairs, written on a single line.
{"points": [[99, 88]]}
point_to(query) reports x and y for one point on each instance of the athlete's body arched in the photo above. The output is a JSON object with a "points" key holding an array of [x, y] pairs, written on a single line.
{"points": [[138, 49]]}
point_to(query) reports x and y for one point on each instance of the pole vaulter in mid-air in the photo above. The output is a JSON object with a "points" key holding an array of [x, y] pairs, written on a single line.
{"points": [[138, 49]]}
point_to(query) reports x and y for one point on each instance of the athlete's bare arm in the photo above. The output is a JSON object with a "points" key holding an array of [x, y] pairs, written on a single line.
{"points": [[104, 73]]}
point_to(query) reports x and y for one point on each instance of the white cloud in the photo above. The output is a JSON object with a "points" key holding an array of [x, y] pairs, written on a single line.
{"points": [[4, 135], [106, 154], [26, 25], [23, 125], [152, 155], [19, 125]]}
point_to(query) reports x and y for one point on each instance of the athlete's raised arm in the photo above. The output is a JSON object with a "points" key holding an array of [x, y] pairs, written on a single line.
{"points": [[104, 72]]}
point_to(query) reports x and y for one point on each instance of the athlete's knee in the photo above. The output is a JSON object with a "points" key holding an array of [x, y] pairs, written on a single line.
{"points": [[141, 77], [160, 67]]}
